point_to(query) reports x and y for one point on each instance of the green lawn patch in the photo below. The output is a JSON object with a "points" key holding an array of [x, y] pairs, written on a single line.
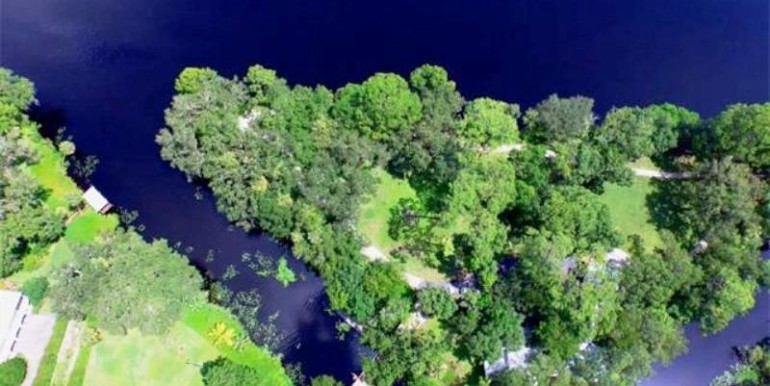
{"points": [[48, 363], [203, 317], [78, 376], [51, 169], [629, 212], [174, 358], [138, 359], [375, 213], [88, 226]]}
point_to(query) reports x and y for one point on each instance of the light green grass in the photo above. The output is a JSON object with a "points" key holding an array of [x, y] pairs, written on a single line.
{"points": [[51, 169], [375, 213], [137, 359], [48, 362], [175, 358], [88, 226], [202, 318], [77, 378], [629, 212]]}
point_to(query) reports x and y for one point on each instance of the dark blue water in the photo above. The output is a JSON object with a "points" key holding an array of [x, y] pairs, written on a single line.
{"points": [[105, 69]]}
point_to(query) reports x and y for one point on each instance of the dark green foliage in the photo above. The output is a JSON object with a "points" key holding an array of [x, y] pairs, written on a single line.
{"points": [[578, 213], [427, 154], [487, 327], [380, 108], [630, 130], [742, 131], [409, 356], [35, 289], [125, 283], [487, 122], [13, 371], [436, 302], [674, 125], [325, 380], [224, 372], [297, 161], [559, 119], [27, 226]]}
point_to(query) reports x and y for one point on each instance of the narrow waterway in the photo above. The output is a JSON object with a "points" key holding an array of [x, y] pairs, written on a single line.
{"points": [[105, 70]]}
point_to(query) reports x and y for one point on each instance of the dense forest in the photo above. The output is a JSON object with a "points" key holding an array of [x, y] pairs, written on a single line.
{"points": [[90, 271], [506, 201]]}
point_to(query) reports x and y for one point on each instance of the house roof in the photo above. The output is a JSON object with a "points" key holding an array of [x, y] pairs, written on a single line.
{"points": [[95, 199]]}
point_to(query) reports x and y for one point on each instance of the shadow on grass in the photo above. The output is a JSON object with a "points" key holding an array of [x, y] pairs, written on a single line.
{"points": [[665, 204]]}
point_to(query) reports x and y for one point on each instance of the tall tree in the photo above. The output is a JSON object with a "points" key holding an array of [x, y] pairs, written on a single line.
{"points": [[381, 107], [559, 119], [488, 122], [743, 131], [126, 283]]}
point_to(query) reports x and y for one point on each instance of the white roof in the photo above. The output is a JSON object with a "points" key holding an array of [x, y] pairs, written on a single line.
{"points": [[95, 199]]}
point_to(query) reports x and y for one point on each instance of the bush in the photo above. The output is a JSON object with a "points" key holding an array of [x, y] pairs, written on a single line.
{"points": [[224, 372], [13, 371], [35, 289]]}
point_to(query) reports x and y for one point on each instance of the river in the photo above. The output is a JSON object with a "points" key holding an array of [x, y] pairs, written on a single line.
{"points": [[105, 70]]}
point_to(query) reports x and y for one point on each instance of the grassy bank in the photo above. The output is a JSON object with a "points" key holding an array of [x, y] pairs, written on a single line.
{"points": [[176, 357]]}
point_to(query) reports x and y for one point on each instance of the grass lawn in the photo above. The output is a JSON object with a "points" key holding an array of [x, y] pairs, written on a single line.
{"points": [[628, 209], [137, 359], [48, 363], [89, 225], [374, 214], [175, 358], [77, 378], [51, 170]]}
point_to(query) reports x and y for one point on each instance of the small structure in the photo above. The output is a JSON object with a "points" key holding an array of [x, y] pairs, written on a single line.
{"points": [[96, 200], [358, 380]]}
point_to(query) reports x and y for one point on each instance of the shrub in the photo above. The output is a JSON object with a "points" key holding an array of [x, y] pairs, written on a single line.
{"points": [[35, 289], [13, 371]]}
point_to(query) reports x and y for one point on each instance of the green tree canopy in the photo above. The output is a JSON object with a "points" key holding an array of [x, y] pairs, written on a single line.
{"points": [[381, 107], [743, 131], [224, 372], [559, 119], [15, 91], [126, 283], [435, 301], [487, 122], [13, 371]]}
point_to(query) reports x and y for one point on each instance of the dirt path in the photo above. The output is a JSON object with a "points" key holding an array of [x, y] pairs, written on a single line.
{"points": [[659, 174], [68, 353], [373, 253]]}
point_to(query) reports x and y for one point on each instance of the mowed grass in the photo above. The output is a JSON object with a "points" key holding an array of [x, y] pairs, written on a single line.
{"points": [[175, 358], [137, 359], [48, 362], [51, 169], [375, 213], [89, 225], [374, 216], [629, 212]]}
